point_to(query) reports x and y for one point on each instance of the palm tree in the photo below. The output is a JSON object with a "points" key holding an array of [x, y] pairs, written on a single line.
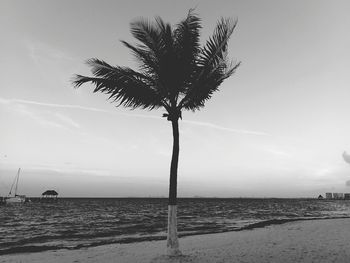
{"points": [[175, 73]]}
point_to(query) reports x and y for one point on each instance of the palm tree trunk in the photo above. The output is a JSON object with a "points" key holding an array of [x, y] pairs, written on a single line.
{"points": [[172, 240]]}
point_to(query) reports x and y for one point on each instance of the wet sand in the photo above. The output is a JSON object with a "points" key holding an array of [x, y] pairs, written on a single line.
{"points": [[301, 241]]}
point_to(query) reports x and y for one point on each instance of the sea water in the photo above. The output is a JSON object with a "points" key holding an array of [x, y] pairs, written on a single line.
{"points": [[83, 222]]}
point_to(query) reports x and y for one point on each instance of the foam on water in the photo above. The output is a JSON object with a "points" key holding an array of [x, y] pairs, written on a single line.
{"points": [[77, 223]]}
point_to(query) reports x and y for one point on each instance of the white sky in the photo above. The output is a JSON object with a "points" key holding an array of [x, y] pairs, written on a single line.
{"points": [[277, 128]]}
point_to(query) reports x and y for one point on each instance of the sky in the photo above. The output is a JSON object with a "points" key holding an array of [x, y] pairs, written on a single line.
{"points": [[277, 127]]}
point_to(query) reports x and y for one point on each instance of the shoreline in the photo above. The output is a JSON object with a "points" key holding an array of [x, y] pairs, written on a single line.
{"points": [[322, 240], [133, 240]]}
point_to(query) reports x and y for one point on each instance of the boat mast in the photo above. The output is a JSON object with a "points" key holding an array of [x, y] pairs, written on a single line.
{"points": [[15, 182], [19, 170]]}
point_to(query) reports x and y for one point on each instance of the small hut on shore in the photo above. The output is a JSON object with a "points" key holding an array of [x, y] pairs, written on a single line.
{"points": [[49, 196], [320, 197]]}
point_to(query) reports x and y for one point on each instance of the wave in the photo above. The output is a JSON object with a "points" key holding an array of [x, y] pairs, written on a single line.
{"points": [[20, 247]]}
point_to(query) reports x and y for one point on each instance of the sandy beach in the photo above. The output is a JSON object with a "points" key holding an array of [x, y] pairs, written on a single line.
{"points": [[301, 241]]}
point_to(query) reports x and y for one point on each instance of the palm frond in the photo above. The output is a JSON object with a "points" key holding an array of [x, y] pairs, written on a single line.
{"points": [[155, 51], [165, 34], [187, 34], [148, 62], [213, 67], [147, 33], [123, 85], [216, 46], [187, 47], [207, 84], [167, 59]]}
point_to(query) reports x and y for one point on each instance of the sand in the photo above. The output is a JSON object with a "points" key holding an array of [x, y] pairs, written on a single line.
{"points": [[300, 241]]}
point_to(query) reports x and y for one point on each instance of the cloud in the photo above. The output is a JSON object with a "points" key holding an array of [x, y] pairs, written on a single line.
{"points": [[69, 106], [222, 128], [78, 107], [67, 120], [40, 52], [71, 170], [4, 101], [347, 183], [22, 109], [278, 152], [47, 118], [52, 65], [346, 157]]}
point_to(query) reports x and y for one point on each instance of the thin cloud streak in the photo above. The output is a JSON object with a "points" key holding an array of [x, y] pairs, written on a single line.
{"points": [[53, 105], [67, 120], [69, 106], [218, 127], [22, 109]]}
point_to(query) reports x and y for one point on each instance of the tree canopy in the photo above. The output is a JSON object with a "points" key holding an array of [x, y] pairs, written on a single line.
{"points": [[175, 71]]}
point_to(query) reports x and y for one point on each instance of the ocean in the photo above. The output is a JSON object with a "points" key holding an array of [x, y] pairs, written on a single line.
{"points": [[74, 223]]}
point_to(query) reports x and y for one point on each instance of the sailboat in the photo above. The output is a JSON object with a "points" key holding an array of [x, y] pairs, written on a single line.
{"points": [[15, 198]]}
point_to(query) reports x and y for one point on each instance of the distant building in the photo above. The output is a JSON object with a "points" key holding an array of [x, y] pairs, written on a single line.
{"points": [[347, 196], [329, 196], [335, 196], [338, 196], [320, 197], [49, 196]]}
